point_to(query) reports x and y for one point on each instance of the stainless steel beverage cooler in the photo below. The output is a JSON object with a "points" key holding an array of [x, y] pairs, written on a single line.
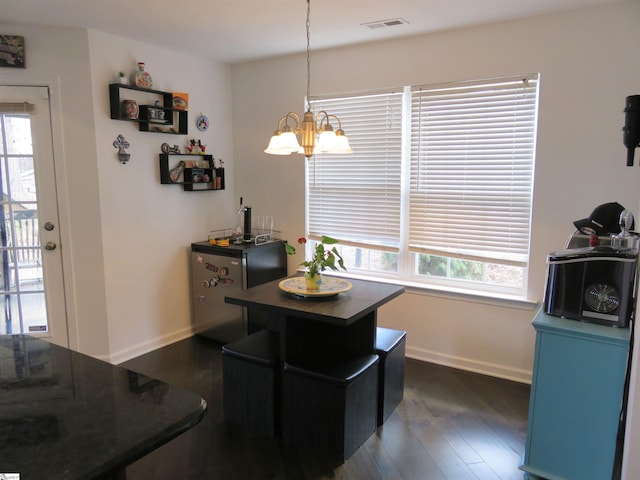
{"points": [[218, 271]]}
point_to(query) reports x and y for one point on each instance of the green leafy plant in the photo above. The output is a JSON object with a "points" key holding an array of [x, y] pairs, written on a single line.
{"points": [[323, 256], [122, 74]]}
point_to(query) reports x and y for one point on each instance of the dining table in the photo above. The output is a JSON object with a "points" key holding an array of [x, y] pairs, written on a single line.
{"points": [[313, 327], [324, 339], [66, 415]]}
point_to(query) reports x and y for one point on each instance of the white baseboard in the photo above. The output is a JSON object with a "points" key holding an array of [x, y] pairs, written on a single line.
{"points": [[485, 368], [146, 347]]}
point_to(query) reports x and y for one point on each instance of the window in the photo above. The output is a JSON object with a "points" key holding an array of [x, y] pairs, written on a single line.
{"points": [[358, 197], [439, 188]]}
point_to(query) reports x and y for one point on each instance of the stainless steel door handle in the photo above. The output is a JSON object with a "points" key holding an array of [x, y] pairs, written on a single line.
{"points": [[50, 246]]}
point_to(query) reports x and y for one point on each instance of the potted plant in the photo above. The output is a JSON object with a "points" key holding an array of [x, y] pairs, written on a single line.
{"points": [[122, 77], [323, 257]]}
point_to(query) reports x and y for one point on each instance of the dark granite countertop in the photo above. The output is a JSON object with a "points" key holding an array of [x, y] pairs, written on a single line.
{"points": [[65, 415]]}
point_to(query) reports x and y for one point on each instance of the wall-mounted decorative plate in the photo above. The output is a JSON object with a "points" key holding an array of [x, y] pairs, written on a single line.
{"points": [[202, 123]]}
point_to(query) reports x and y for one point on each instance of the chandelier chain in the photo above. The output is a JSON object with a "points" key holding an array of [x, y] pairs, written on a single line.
{"points": [[308, 55], [315, 131]]}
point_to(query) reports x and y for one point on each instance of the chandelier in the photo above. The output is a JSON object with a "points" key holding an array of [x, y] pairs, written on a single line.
{"points": [[316, 132]]}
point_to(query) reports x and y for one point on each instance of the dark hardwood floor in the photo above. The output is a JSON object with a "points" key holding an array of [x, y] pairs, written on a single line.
{"points": [[452, 425]]}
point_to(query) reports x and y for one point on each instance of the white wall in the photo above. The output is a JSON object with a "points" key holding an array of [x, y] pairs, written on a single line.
{"points": [[585, 59], [147, 227], [125, 237], [59, 58]]}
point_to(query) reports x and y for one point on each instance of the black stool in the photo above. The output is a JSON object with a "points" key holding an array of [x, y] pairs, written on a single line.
{"points": [[331, 408], [390, 347], [250, 382]]}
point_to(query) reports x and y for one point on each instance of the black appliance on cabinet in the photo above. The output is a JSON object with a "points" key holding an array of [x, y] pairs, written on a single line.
{"points": [[592, 284], [217, 271]]}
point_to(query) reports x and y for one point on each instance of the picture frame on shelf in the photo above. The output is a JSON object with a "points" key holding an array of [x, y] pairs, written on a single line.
{"points": [[198, 175], [180, 100]]}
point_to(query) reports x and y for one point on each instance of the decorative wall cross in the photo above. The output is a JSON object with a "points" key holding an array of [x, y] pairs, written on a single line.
{"points": [[121, 143]]}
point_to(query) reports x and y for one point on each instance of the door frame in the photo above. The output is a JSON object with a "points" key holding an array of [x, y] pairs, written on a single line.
{"points": [[61, 189]]}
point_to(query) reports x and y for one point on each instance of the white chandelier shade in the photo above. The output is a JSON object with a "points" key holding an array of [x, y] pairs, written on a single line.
{"points": [[316, 132]]}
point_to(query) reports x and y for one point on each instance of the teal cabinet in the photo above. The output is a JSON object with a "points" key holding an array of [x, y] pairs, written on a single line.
{"points": [[576, 396]]}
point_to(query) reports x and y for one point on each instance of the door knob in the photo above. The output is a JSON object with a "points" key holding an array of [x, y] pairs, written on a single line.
{"points": [[50, 246]]}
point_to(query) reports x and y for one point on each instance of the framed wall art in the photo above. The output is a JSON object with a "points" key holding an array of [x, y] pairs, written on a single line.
{"points": [[180, 101], [12, 51]]}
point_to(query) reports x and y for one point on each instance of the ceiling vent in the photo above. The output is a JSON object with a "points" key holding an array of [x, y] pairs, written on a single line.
{"points": [[385, 23]]}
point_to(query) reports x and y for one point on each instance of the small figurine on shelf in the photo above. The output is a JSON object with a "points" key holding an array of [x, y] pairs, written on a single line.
{"points": [[166, 148], [201, 147], [191, 146]]}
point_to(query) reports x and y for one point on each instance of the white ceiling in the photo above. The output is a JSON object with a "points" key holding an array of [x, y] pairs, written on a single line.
{"points": [[235, 31]]}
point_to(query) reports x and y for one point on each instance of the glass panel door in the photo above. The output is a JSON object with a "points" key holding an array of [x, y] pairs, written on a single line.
{"points": [[22, 287], [32, 298]]}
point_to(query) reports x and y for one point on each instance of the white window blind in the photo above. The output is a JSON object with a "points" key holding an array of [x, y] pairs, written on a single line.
{"points": [[24, 107], [355, 198], [471, 173]]}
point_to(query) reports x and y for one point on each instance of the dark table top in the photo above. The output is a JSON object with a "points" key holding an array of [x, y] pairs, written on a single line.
{"points": [[65, 415], [342, 309]]}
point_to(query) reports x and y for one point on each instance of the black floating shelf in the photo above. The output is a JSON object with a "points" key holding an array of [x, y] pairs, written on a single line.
{"points": [[176, 121], [195, 173]]}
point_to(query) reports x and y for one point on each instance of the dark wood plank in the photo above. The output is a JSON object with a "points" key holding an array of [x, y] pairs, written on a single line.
{"points": [[444, 454], [451, 425]]}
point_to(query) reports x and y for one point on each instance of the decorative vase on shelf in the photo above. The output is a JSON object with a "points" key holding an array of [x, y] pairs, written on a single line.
{"points": [[142, 77], [313, 281], [130, 109]]}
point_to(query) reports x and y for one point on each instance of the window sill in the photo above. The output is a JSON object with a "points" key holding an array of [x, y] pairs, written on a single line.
{"points": [[451, 293]]}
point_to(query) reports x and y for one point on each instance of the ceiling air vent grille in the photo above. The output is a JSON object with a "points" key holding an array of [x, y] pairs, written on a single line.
{"points": [[385, 23]]}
